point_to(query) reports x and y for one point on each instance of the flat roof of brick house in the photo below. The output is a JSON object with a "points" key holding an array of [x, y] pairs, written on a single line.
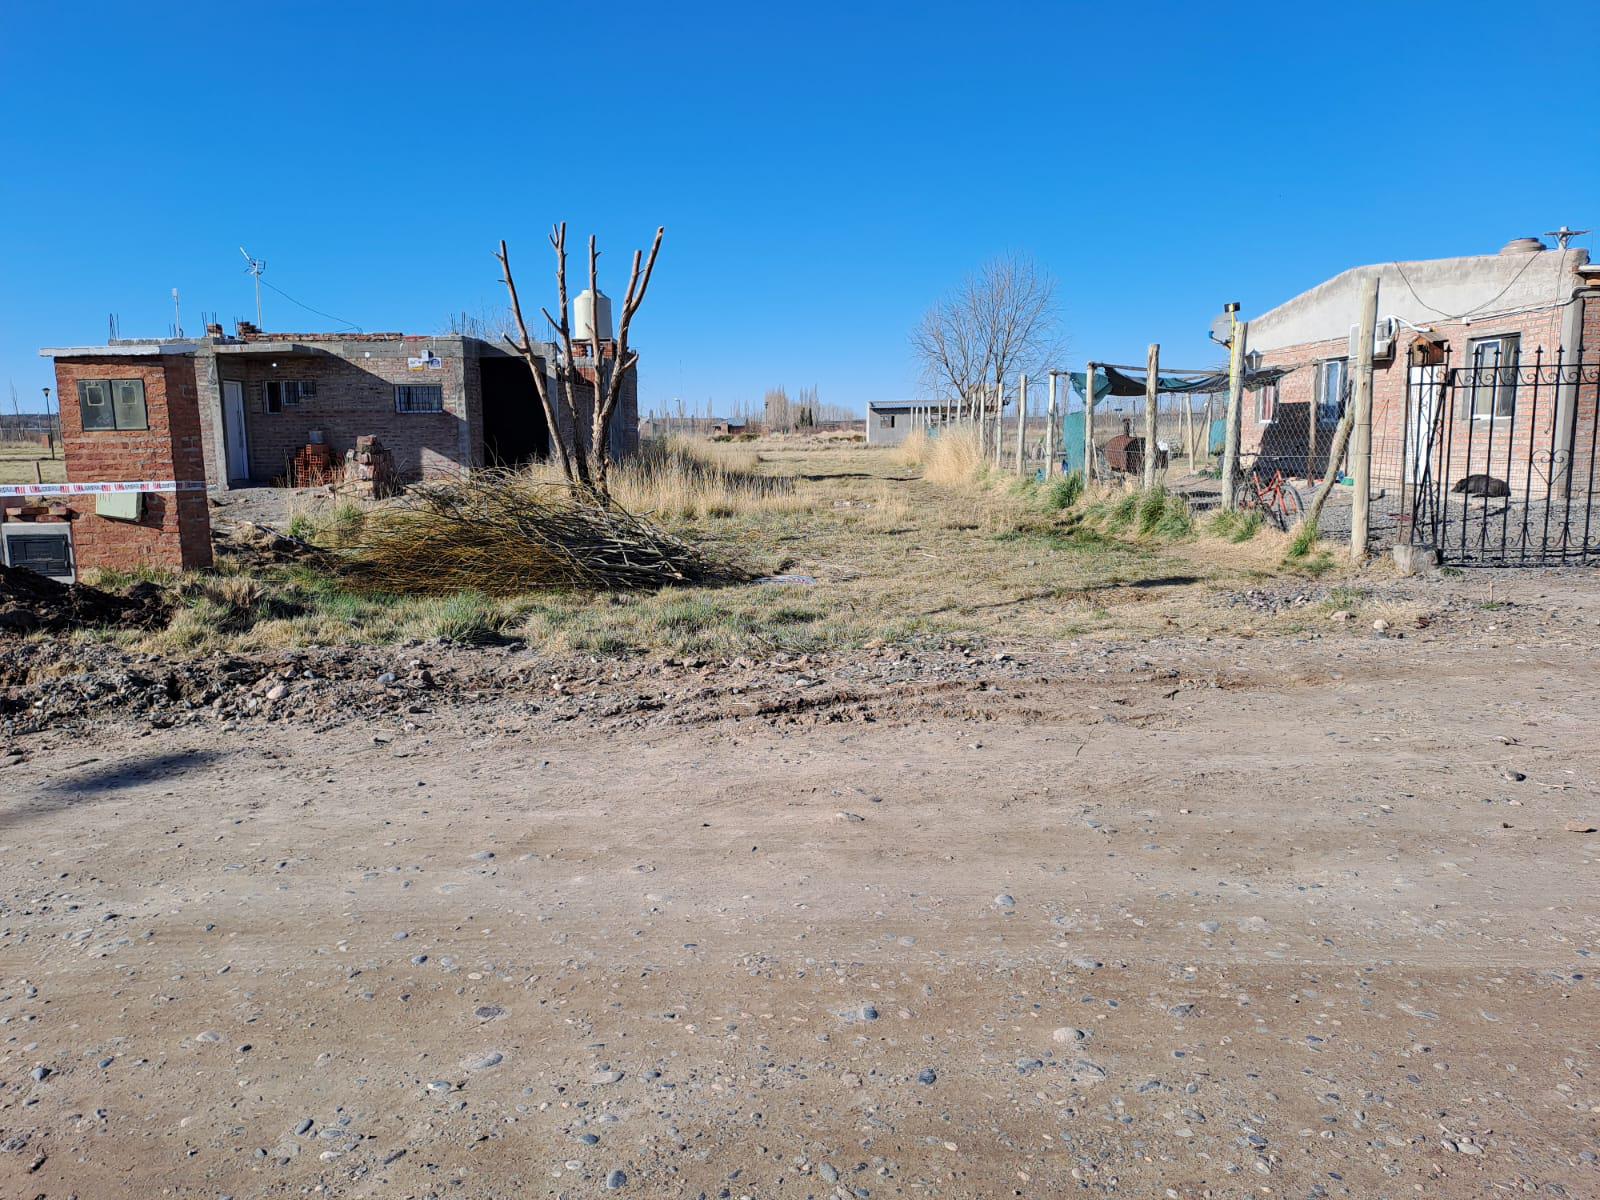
{"points": [[1475, 288]]}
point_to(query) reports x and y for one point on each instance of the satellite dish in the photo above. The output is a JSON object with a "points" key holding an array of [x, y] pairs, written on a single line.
{"points": [[1222, 327]]}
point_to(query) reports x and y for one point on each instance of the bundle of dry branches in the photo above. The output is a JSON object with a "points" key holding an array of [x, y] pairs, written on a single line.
{"points": [[503, 533]]}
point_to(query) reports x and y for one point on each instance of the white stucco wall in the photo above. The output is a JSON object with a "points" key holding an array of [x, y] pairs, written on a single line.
{"points": [[1423, 293]]}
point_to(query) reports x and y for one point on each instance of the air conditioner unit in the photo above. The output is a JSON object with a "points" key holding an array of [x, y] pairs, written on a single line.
{"points": [[1383, 339]]}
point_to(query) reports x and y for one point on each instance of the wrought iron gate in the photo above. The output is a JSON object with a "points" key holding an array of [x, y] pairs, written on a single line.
{"points": [[1499, 458]]}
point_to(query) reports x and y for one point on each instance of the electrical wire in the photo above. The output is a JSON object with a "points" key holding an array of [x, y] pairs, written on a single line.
{"points": [[309, 309], [1476, 308]]}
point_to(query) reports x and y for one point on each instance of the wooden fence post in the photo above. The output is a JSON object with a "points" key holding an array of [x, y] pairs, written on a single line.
{"points": [[1152, 388], [1311, 430], [1361, 449], [1088, 422], [1230, 434], [1188, 428], [1051, 418], [999, 421], [1022, 419]]}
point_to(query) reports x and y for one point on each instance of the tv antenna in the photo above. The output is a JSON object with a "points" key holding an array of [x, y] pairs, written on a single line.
{"points": [[1565, 235], [255, 268]]}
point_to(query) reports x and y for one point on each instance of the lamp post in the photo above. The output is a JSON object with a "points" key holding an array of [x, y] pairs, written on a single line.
{"points": [[49, 429]]}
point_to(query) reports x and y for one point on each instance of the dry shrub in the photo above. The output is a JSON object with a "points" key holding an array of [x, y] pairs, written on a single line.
{"points": [[913, 452], [887, 509], [955, 457], [691, 478], [502, 533]]}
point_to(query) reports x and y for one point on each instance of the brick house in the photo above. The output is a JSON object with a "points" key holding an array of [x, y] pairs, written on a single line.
{"points": [[1488, 315], [132, 414], [439, 403], [227, 411]]}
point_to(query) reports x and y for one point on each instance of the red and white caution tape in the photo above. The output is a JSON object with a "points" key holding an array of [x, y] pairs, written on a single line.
{"points": [[91, 489]]}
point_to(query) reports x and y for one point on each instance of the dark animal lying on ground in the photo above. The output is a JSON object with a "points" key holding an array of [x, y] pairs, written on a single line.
{"points": [[1482, 485]]}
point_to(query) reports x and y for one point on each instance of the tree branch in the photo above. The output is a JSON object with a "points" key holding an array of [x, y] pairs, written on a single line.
{"points": [[539, 383], [638, 285], [567, 368]]}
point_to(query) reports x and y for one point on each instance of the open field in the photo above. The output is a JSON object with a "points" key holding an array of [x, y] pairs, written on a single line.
{"points": [[881, 554], [17, 464], [1008, 858]]}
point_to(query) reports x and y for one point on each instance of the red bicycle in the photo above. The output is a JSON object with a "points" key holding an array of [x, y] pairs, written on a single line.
{"points": [[1271, 495]]}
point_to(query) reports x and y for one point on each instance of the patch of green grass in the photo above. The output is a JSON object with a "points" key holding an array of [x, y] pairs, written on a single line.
{"points": [[118, 579], [1345, 597], [330, 528], [1235, 525], [1163, 515], [1302, 544], [466, 618], [1123, 512], [1078, 537], [1153, 514], [1315, 564], [1064, 492]]}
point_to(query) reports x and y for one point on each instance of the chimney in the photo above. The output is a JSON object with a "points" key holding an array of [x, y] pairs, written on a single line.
{"points": [[1523, 245]]}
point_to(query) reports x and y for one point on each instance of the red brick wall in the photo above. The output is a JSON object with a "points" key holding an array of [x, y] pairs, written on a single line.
{"points": [[175, 530], [355, 396], [1483, 451]]}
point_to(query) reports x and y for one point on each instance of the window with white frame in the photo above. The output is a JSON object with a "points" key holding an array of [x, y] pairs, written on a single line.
{"points": [[418, 398], [278, 394], [1493, 383], [1331, 375], [1267, 403]]}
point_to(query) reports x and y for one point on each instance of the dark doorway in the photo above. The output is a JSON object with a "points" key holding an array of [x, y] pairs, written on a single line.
{"points": [[514, 429]]}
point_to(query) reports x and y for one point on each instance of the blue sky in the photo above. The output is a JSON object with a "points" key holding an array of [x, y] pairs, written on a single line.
{"points": [[824, 172]]}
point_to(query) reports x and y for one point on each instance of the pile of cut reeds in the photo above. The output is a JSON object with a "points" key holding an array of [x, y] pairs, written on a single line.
{"points": [[503, 533]]}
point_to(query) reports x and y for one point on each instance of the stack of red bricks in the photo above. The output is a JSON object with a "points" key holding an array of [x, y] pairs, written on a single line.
{"points": [[369, 470], [19, 508], [313, 466]]}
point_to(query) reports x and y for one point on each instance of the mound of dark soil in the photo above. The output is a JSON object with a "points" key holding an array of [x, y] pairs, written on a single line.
{"points": [[33, 603]]}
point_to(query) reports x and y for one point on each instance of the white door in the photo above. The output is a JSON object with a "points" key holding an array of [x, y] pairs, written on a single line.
{"points": [[238, 449], [1422, 437]]}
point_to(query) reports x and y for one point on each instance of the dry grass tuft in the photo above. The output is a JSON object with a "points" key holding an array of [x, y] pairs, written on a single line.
{"points": [[955, 457], [681, 478], [502, 533], [913, 452]]}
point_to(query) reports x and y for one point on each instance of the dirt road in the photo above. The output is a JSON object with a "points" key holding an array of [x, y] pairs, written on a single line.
{"points": [[1295, 917]]}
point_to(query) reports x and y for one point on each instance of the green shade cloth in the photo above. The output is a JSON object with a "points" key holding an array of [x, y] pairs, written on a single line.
{"points": [[1108, 381]]}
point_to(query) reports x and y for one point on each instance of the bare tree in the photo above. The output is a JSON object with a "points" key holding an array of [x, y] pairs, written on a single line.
{"points": [[1001, 320], [584, 461], [777, 411]]}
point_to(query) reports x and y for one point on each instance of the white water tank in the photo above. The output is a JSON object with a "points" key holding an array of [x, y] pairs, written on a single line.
{"points": [[591, 313]]}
